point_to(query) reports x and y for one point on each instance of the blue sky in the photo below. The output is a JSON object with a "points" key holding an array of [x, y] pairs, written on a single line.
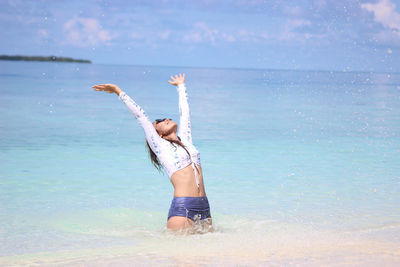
{"points": [[314, 34]]}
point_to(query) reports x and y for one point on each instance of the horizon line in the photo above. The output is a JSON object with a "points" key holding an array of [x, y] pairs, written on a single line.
{"points": [[212, 67]]}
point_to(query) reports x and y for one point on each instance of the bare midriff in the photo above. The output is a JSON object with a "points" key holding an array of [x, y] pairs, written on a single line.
{"points": [[184, 182]]}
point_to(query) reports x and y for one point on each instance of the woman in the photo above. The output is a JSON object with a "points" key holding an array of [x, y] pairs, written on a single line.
{"points": [[173, 150]]}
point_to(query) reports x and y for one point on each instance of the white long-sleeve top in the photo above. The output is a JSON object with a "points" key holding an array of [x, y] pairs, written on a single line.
{"points": [[171, 156]]}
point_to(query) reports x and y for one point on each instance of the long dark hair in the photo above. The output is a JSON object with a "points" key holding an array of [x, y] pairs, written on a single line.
{"points": [[153, 156]]}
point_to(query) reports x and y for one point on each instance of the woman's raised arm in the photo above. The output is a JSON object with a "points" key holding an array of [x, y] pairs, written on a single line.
{"points": [[185, 128], [152, 136]]}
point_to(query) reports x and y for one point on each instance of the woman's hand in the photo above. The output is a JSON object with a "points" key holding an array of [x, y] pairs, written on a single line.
{"points": [[109, 88], [177, 79]]}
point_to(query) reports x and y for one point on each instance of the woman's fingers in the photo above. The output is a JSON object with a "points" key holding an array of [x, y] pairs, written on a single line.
{"points": [[181, 76], [173, 82], [178, 79], [98, 88], [104, 87]]}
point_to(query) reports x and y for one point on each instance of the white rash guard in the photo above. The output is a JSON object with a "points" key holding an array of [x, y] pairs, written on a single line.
{"points": [[172, 157]]}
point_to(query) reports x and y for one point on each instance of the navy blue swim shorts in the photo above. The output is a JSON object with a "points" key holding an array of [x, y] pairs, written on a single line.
{"points": [[190, 207]]}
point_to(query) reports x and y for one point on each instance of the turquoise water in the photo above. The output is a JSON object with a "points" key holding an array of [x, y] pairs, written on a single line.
{"points": [[295, 163]]}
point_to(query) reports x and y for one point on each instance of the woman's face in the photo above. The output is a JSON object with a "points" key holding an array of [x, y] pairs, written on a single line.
{"points": [[165, 127]]}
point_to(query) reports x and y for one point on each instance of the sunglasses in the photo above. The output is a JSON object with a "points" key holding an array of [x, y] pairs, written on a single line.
{"points": [[161, 120]]}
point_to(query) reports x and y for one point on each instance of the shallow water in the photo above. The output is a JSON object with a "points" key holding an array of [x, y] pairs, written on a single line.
{"points": [[300, 167]]}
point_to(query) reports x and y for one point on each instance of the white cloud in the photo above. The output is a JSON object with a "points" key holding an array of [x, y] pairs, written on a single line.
{"points": [[85, 32], [384, 13], [228, 37], [201, 33], [295, 23], [290, 30], [250, 36]]}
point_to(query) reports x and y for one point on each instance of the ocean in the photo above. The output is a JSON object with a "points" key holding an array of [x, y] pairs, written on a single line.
{"points": [[301, 168]]}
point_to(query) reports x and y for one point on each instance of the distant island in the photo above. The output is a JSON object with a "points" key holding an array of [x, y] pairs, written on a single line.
{"points": [[41, 58]]}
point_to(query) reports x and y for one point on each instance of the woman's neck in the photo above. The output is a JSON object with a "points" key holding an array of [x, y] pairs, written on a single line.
{"points": [[171, 137]]}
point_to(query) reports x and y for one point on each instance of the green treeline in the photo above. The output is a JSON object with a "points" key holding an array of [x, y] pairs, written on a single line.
{"points": [[41, 58]]}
